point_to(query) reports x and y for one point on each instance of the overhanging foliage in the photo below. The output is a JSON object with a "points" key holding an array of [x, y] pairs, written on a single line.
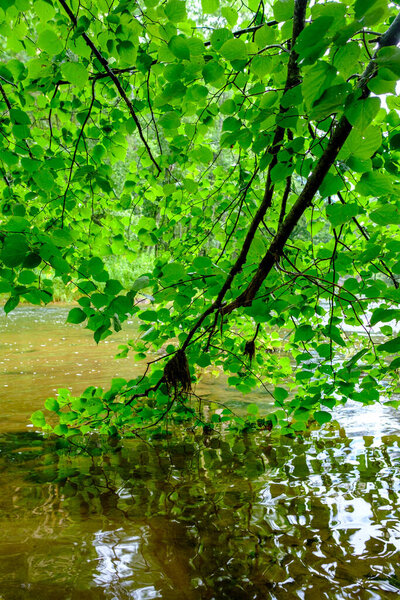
{"points": [[253, 150]]}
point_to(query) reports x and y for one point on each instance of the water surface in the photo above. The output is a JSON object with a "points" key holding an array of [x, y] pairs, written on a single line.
{"points": [[190, 517]]}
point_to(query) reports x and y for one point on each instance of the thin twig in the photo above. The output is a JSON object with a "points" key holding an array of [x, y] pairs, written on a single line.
{"points": [[115, 80]]}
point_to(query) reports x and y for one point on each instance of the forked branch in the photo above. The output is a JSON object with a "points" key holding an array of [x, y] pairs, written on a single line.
{"points": [[339, 136], [115, 80]]}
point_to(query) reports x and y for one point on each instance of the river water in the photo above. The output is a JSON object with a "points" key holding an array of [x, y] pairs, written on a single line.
{"points": [[190, 517]]}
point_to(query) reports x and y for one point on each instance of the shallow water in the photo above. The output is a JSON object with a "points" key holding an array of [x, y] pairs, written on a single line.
{"points": [[193, 517], [40, 353]]}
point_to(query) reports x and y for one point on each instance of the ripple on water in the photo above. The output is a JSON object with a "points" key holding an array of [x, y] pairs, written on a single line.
{"points": [[194, 518]]}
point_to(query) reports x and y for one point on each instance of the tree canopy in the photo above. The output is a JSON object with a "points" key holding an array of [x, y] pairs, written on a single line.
{"points": [[252, 150]]}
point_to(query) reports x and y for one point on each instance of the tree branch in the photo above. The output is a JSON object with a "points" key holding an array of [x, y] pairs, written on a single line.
{"points": [[365, 234], [133, 69], [240, 32], [339, 136], [115, 80], [293, 78]]}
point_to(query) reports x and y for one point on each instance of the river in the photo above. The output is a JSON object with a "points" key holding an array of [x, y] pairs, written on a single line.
{"points": [[192, 516]]}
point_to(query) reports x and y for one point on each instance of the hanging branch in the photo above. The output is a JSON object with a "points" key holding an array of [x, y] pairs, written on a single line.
{"points": [[386, 271], [339, 136], [9, 108], [134, 69], [81, 131], [292, 79], [115, 80]]}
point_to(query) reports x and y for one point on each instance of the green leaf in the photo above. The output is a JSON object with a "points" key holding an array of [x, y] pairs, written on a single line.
{"points": [[11, 303], [384, 315], [101, 333], [339, 214], [261, 66], [375, 184], [44, 10], [234, 49], [19, 117], [203, 361], [179, 47], [389, 58], [17, 225], [44, 180], [316, 80], [386, 214], [391, 346], [38, 418], [264, 36], [333, 333], [32, 260], [395, 364], [229, 14], [322, 416], [203, 154], [113, 287], [313, 40], [176, 11], [14, 250], [252, 409], [52, 404], [76, 315], [370, 12], [283, 9], [331, 101], [50, 42], [346, 58], [362, 112], [209, 6], [61, 430], [304, 333], [27, 277], [219, 37], [75, 73], [212, 71], [331, 185], [173, 271], [170, 120], [394, 141], [228, 107], [354, 359], [140, 283], [280, 394], [362, 144], [116, 323]]}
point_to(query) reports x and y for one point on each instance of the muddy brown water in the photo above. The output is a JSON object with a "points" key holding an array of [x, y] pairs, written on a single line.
{"points": [[188, 517]]}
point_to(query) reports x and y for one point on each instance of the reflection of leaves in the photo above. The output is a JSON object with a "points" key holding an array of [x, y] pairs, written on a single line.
{"points": [[222, 510]]}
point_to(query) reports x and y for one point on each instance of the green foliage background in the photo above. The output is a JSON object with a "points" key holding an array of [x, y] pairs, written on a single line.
{"points": [[248, 155]]}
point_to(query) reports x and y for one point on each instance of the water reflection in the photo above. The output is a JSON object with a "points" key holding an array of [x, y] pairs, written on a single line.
{"points": [[195, 518], [208, 518]]}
